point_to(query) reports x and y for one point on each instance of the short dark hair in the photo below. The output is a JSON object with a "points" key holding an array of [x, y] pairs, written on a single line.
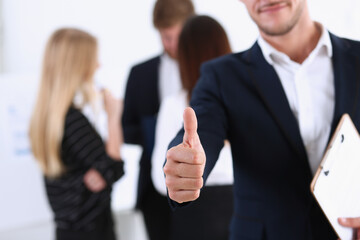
{"points": [[202, 38], [167, 13]]}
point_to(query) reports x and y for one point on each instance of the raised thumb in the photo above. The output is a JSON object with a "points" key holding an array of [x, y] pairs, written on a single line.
{"points": [[190, 126]]}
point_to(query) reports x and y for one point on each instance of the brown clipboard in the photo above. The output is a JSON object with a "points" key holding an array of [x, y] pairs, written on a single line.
{"points": [[336, 183]]}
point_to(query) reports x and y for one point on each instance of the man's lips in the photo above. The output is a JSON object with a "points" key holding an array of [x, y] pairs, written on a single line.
{"points": [[272, 7]]}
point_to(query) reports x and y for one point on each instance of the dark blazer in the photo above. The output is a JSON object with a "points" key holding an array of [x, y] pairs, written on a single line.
{"points": [[141, 106], [240, 97]]}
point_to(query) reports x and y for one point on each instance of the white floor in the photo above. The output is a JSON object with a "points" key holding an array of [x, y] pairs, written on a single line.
{"points": [[129, 226]]}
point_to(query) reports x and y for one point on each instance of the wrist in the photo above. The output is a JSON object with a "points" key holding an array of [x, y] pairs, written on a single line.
{"points": [[113, 118], [114, 152]]}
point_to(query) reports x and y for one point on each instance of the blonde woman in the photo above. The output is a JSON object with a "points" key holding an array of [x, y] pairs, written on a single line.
{"points": [[79, 168]]}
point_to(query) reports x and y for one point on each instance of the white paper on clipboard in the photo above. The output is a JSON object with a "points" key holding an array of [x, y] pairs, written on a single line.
{"points": [[336, 184]]}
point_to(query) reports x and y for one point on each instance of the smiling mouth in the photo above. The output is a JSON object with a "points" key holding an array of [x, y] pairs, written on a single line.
{"points": [[272, 7]]}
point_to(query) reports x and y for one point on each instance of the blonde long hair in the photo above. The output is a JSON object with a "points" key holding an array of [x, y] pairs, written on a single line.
{"points": [[69, 63]]}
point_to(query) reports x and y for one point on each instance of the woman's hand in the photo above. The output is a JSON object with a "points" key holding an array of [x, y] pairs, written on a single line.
{"points": [[113, 106], [94, 181]]}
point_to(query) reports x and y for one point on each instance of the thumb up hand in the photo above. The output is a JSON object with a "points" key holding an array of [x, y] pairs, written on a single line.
{"points": [[185, 163]]}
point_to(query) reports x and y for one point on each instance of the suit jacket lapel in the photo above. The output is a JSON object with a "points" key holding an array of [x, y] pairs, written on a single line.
{"points": [[347, 79], [272, 93], [156, 80]]}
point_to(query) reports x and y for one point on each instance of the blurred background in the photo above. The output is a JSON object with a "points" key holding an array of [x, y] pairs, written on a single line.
{"points": [[126, 36]]}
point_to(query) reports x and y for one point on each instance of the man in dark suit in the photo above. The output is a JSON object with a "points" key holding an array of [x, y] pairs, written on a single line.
{"points": [[277, 103], [148, 83]]}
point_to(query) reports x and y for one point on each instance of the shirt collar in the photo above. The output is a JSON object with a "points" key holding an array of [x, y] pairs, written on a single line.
{"points": [[166, 57], [271, 54]]}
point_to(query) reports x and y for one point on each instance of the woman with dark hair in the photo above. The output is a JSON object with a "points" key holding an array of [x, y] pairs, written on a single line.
{"points": [[201, 39]]}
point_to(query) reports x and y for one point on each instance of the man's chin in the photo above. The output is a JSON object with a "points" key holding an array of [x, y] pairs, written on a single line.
{"points": [[279, 31]]}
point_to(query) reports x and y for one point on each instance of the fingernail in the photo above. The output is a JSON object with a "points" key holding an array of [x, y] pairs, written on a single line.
{"points": [[344, 220]]}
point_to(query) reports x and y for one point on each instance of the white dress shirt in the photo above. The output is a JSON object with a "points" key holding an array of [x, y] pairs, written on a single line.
{"points": [[309, 88], [169, 76], [169, 122]]}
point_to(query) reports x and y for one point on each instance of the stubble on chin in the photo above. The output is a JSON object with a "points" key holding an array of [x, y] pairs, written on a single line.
{"points": [[280, 28]]}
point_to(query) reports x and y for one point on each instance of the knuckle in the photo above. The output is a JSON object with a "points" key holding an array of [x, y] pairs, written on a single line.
{"points": [[169, 182], [171, 195], [169, 153], [174, 196], [168, 170], [197, 158], [196, 194], [199, 183], [198, 172]]}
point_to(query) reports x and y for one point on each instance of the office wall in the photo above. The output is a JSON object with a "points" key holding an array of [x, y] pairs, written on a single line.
{"points": [[125, 31], [123, 37], [1, 37], [126, 36]]}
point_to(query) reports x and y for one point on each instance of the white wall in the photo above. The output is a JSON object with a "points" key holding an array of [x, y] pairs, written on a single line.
{"points": [[125, 31], [126, 36], [1, 37]]}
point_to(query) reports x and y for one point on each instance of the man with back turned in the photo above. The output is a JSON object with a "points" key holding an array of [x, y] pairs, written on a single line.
{"points": [[148, 84]]}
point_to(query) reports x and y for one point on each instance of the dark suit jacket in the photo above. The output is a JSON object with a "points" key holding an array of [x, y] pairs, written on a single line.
{"points": [[141, 106], [240, 97]]}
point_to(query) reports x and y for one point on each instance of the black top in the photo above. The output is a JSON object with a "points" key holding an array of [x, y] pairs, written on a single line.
{"points": [[74, 206]]}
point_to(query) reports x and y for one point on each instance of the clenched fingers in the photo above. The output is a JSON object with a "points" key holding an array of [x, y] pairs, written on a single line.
{"points": [[183, 170], [180, 184], [184, 195], [184, 154]]}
